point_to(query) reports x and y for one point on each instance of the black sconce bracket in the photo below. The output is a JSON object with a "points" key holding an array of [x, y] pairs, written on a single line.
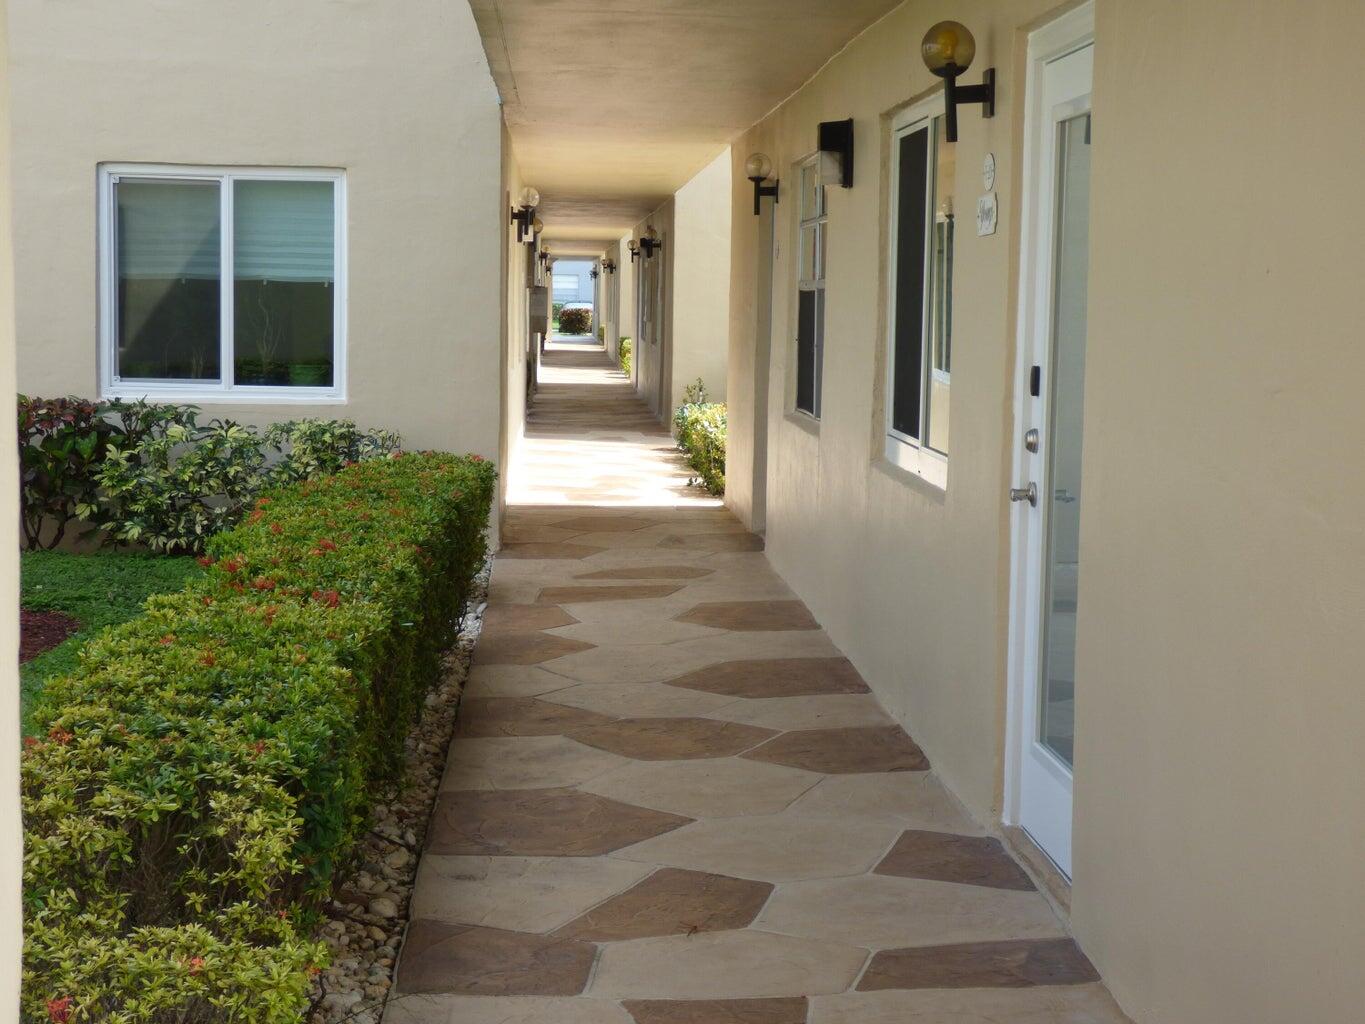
{"points": [[955, 95], [837, 137], [522, 218], [649, 246], [762, 191]]}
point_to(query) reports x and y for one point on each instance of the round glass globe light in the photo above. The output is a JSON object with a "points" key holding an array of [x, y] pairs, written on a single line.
{"points": [[758, 166], [948, 49], [530, 198]]}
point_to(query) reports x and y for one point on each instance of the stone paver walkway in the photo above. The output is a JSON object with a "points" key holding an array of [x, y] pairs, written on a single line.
{"points": [[671, 800]]}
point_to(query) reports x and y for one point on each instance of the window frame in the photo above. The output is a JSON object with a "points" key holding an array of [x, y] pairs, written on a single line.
{"points": [[914, 455], [225, 390], [817, 284]]}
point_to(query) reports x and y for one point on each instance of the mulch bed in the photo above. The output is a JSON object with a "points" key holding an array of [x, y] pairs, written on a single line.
{"points": [[42, 631]]}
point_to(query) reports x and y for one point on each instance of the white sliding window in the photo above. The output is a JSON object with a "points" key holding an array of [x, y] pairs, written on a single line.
{"points": [[920, 340], [222, 284]]}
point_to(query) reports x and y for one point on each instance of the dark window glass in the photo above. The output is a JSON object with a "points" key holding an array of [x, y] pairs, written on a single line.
{"points": [[907, 385], [807, 350], [169, 280]]}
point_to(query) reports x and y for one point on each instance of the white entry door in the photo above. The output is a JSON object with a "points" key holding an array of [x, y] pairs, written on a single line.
{"points": [[1048, 578]]}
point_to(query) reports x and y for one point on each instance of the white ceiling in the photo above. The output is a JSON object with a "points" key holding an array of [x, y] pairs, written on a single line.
{"points": [[614, 104]]}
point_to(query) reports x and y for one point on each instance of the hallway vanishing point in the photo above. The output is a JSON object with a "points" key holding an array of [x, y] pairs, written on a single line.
{"points": [[671, 800]]}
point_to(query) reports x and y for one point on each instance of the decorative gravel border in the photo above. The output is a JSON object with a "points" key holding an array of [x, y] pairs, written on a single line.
{"points": [[367, 919]]}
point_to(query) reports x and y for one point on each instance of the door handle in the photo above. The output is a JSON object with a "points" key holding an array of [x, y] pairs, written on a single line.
{"points": [[1029, 494]]}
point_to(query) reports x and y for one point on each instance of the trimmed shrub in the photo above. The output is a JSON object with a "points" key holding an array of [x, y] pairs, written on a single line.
{"points": [[601, 333], [61, 442], [700, 429], [212, 763], [575, 321], [623, 355], [310, 448]]}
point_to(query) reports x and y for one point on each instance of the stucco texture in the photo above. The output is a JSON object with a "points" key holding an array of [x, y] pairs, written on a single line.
{"points": [[405, 105]]}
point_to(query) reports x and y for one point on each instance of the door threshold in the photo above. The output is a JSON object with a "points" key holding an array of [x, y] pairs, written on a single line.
{"points": [[1055, 885]]}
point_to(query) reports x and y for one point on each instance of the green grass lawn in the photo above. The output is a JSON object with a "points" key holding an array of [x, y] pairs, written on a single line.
{"points": [[98, 590]]}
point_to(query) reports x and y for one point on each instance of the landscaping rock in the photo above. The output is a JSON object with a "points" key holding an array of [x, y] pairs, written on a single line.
{"points": [[368, 917]]}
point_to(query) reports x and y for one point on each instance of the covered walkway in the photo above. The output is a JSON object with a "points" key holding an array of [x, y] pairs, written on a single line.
{"points": [[670, 799]]}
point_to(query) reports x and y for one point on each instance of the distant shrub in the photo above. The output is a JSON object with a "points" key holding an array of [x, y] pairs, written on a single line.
{"points": [[575, 321], [202, 775], [601, 333], [310, 448], [700, 428], [623, 355], [61, 443]]}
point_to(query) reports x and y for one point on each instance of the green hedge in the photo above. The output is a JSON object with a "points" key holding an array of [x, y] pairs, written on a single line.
{"points": [[203, 775], [623, 355], [700, 428], [575, 321]]}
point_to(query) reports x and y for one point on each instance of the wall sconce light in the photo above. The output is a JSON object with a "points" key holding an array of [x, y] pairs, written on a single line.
{"points": [[608, 266], [533, 236], [593, 273], [634, 248], [758, 168], [544, 258], [836, 152], [522, 216], [650, 243], [948, 49]]}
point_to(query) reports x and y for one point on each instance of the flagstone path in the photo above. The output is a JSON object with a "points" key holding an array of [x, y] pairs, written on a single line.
{"points": [[671, 799]]}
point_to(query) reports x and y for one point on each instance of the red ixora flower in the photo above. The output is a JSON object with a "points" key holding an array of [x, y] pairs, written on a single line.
{"points": [[32, 742], [167, 640], [262, 583], [232, 565], [262, 502], [328, 597], [256, 516], [476, 458], [196, 964], [59, 735], [208, 659], [59, 1010], [205, 561], [327, 545], [276, 528]]}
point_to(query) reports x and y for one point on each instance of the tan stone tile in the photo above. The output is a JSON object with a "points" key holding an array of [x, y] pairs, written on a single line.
{"points": [[605, 524], [883, 748], [722, 965], [822, 712], [1014, 963], [527, 894], [671, 739], [442, 957], [1071, 1004], [635, 631], [878, 912], [524, 762], [718, 788], [908, 799], [791, 1010], [672, 901], [539, 823], [523, 618], [549, 549], [647, 572], [775, 848], [511, 681], [446, 1009], [521, 716], [635, 700]]}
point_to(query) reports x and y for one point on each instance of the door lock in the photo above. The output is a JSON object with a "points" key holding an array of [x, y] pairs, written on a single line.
{"points": [[1031, 440], [1029, 494]]}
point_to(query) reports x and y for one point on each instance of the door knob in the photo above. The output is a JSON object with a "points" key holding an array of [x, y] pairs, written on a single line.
{"points": [[1029, 494]]}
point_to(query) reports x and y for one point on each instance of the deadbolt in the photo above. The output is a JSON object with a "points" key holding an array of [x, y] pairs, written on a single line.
{"points": [[1031, 440], [1029, 494]]}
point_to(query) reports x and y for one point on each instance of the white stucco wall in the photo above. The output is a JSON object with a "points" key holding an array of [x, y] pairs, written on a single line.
{"points": [[404, 104]]}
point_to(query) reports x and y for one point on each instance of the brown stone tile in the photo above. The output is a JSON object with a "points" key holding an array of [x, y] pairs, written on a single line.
{"points": [[647, 572], [524, 618], [540, 823], [522, 716], [672, 739], [751, 616], [878, 748], [776, 677], [525, 648], [549, 549], [717, 1011], [944, 857], [604, 524], [1020, 963], [626, 592], [443, 957], [672, 901]]}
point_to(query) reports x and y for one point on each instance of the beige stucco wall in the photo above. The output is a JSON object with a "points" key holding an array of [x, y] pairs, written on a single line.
{"points": [[701, 281], [654, 353], [1220, 794], [1220, 806], [518, 346], [404, 104], [11, 850]]}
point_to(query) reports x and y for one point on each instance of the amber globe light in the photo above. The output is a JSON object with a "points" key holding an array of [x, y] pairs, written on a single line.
{"points": [[758, 167], [948, 49]]}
